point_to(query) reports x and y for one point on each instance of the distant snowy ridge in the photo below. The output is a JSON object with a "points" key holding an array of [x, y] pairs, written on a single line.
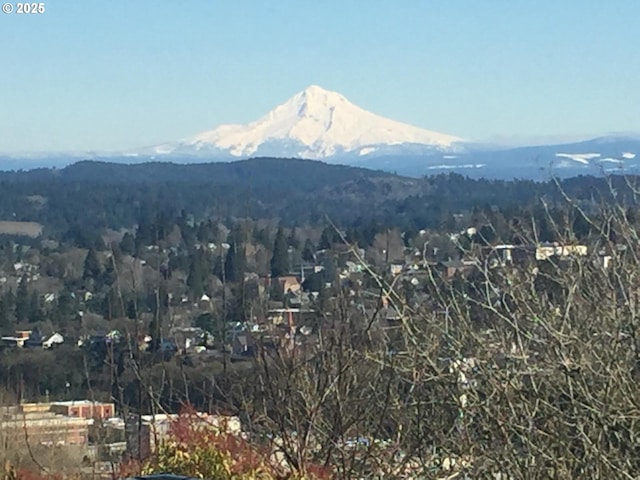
{"points": [[579, 157], [585, 158], [315, 123]]}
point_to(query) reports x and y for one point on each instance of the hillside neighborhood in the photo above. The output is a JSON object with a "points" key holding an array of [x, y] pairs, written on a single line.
{"points": [[131, 298]]}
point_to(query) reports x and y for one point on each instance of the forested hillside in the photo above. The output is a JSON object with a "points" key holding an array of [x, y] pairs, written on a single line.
{"points": [[96, 195]]}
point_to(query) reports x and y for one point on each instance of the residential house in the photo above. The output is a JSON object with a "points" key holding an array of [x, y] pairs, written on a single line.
{"points": [[35, 339], [53, 340], [254, 286], [288, 283], [353, 267], [17, 340], [396, 269], [451, 268], [243, 344]]}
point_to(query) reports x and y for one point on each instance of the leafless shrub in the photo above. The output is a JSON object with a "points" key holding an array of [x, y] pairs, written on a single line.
{"points": [[522, 370]]}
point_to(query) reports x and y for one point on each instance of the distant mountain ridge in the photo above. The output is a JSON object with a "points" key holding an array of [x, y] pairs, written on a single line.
{"points": [[92, 195], [255, 171], [597, 157]]}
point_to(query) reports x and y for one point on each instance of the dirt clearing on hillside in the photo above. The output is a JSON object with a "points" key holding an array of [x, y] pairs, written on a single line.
{"points": [[29, 229]]}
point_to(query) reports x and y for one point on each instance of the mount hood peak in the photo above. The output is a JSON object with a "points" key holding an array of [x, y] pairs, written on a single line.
{"points": [[315, 123]]}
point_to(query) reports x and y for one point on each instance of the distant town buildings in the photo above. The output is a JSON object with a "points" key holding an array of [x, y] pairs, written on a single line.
{"points": [[548, 250], [30, 339]]}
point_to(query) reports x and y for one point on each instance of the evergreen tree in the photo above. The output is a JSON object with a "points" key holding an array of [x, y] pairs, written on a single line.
{"points": [[205, 232], [353, 235], [545, 230], [239, 304], [64, 309], [581, 226], [368, 233], [195, 280], [188, 236], [280, 258], [154, 333], [160, 304], [145, 233], [35, 309], [92, 267], [487, 235], [327, 239], [139, 245], [218, 266], [9, 301], [162, 225], [112, 306], [22, 307], [262, 237], [309, 251], [293, 239], [128, 244], [109, 276], [409, 235], [132, 310], [5, 315], [84, 237], [323, 299], [235, 263], [206, 322], [330, 271], [275, 292], [116, 252], [314, 282]]}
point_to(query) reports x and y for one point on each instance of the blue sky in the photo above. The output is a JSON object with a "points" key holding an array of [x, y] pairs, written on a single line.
{"points": [[117, 74]]}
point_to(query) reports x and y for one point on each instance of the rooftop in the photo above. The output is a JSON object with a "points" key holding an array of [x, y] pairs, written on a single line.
{"points": [[74, 403]]}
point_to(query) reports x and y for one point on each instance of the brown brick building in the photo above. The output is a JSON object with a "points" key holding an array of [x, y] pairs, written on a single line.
{"points": [[84, 409], [52, 423], [43, 428]]}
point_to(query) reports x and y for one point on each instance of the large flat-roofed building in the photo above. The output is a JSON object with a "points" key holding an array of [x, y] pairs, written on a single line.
{"points": [[144, 432], [52, 423], [45, 428], [72, 408]]}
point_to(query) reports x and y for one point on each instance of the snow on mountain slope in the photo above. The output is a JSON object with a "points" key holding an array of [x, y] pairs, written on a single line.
{"points": [[579, 157], [314, 123]]}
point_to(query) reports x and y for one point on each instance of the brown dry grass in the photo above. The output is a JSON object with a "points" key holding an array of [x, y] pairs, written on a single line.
{"points": [[29, 229]]}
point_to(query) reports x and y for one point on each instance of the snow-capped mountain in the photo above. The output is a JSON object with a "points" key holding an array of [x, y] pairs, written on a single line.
{"points": [[315, 123]]}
